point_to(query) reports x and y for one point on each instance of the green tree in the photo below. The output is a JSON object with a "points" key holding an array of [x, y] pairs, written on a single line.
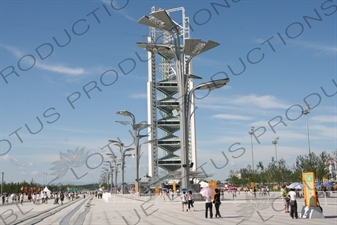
{"points": [[313, 163]]}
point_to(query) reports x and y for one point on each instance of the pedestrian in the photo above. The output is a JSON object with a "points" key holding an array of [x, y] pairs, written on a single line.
{"points": [[3, 199], [217, 203], [190, 201], [21, 198], [208, 207], [317, 202], [285, 198], [171, 193], [183, 201], [34, 198], [45, 194], [293, 203], [62, 197], [254, 192], [234, 193], [163, 194]]}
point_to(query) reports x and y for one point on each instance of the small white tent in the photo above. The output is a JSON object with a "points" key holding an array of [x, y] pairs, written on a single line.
{"points": [[47, 192]]}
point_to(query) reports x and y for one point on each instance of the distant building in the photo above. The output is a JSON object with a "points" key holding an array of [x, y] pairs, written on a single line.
{"points": [[332, 165]]}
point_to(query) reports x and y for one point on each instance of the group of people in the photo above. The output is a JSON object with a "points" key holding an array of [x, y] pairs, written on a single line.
{"points": [[209, 205], [289, 199], [14, 198], [37, 198], [188, 201]]}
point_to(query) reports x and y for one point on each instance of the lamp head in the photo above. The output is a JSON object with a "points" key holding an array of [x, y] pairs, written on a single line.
{"points": [[124, 113], [124, 122]]}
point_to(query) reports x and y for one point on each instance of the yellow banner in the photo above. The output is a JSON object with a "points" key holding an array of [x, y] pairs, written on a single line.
{"points": [[212, 184], [252, 184], [308, 180]]}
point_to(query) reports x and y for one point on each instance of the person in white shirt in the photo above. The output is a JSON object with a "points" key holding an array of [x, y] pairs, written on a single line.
{"points": [[184, 201], [293, 204], [208, 206]]}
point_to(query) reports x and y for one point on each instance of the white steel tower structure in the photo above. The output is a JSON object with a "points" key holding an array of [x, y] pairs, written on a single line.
{"points": [[163, 99], [170, 92]]}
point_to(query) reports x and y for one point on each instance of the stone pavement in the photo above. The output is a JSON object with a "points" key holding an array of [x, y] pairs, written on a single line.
{"points": [[156, 210], [119, 209]]}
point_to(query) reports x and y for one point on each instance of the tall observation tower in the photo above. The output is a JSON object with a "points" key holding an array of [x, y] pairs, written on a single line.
{"points": [[163, 99], [170, 92]]}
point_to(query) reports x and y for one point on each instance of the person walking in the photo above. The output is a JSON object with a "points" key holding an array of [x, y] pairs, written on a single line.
{"points": [[34, 198], [183, 201], [61, 197], [217, 203], [285, 198], [293, 203], [190, 200], [208, 207], [21, 198], [172, 194], [3, 199]]}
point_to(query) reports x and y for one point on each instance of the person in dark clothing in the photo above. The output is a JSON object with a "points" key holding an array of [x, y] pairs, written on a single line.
{"points": [[217, 203], [62, 197]]}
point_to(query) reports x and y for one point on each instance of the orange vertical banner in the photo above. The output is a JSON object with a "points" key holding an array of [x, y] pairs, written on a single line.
{"points": [[212, 184]]}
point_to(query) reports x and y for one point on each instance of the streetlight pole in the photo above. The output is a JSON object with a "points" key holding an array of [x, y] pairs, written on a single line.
{"points": [[111, 173], [2, 180], [251, 132], [107, 172], [122, 151], [275, 143], [136, 136], [114, 160], [306, 111]]}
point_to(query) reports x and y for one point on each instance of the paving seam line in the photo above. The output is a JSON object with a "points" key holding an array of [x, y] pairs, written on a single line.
{"points": [[45, 211]]}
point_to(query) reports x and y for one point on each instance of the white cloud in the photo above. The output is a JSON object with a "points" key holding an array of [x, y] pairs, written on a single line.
{"points": [[251, 101], [121, 9], [321, 48], [232, 117], [139, 96], [58, 68], [264, 101], [324, 119]]}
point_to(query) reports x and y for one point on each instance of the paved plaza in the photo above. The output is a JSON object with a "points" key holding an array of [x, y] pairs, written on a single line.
{"points": [[119, 209]]}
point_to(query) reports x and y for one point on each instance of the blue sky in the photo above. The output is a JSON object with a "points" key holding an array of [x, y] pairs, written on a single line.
{"points": [[288, 48]]}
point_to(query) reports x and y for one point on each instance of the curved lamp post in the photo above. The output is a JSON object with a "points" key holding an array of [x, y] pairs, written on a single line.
{"points": [[275, 143], [160, 19], [306, 111], [111, 172], [136, 137], [107, 172], [210, 85], [2, 180], [123, 155], [251, 132], [116, 166]]}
